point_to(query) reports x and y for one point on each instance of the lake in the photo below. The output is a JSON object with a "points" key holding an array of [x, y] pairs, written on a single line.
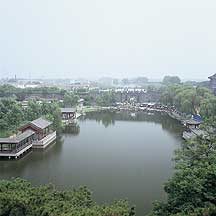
{"points": [[117, 155]]}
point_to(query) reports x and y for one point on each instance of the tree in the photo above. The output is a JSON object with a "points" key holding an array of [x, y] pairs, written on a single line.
{"points": [[167, 80], [192, 189], [11, 114], [70, 100], [54, 115], [33, 110], [19, 198], [188, 99], [106, 99]]}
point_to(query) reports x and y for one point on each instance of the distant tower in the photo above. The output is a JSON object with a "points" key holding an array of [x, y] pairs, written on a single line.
{"points": [[213, 83]]}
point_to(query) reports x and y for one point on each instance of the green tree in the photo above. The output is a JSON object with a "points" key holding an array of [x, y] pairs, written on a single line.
{"points": [[33, 111], [188, 99], [106, 99], [192, 189], [167, 80], [54, 115], [19, 198], [70, 100]]}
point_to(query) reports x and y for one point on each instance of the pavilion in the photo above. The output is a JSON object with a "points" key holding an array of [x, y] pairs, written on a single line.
{"points": [[68, 115], [16, 146], [44, 135]]}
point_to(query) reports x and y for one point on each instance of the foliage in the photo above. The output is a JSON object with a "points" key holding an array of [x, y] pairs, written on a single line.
{"points": [[7, 90], [70, 100], [12, 114], [19, 198], [192, 189], [106, 99], [189, 99], [167, 80], [11, 91]]}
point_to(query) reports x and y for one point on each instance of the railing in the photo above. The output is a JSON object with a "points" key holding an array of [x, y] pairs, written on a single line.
{"points": [[14, 151], [45, 139]]}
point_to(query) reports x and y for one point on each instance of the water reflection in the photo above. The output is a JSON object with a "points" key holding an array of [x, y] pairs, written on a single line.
{"points": [[109, 118], [117, 155], [72, 129], [17, 168]]}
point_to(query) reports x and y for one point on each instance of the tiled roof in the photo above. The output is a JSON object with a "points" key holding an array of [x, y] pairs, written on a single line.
{"points": [[41, 123], [18, 138], [69, 110], [213, 76]]}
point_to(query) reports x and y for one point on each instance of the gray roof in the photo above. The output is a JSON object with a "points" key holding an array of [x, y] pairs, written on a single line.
{"points": [[192, 122], [24, 135], [41, 123], [69, 110], [18, 138], [212, 77]]}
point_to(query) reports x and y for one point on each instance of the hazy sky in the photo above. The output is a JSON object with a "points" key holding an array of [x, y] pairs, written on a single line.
{"points": [[95, 38]]}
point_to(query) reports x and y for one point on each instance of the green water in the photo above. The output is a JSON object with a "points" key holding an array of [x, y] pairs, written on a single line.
{"points": [[115, 154]]}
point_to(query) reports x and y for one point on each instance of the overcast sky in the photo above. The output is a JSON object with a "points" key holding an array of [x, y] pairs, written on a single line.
{"points": [[118, 38]]}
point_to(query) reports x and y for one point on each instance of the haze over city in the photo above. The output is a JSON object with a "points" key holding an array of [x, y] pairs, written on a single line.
{"points": [[92, 39]]}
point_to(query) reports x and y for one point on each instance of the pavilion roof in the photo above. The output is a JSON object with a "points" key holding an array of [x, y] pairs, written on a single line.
{"points": [[212, 77], [192, 122], [18, 138], [68, 110], [41, 123]]}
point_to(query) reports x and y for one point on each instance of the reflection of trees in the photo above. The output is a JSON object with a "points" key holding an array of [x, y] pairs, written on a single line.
{"points": [[109, 118], [73, 129], [18, 168]]}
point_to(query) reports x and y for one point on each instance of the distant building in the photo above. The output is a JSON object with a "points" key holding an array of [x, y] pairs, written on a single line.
{"points": [[213, 83]]}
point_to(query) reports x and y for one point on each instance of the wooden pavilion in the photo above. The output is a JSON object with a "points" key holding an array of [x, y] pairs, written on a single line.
{"points": [[68, 114], [44, 134], [16, 146]]}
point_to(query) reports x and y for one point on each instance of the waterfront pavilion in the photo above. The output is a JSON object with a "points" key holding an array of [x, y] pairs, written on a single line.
{"points": [[16, 146], [40, 126]]}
